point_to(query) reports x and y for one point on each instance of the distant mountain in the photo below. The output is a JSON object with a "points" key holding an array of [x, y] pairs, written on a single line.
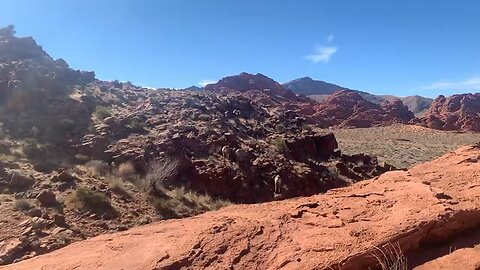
{"points": [[320, 91], [193, 88]]}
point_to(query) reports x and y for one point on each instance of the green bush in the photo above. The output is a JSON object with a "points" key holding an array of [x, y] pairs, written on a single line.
{"points": [[280, 144], [34, 150], [136, 125], [280, 128], [102, 112], [66, 125], [90, 200]]}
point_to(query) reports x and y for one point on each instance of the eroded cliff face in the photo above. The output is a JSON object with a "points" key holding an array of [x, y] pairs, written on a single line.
{"points": [[342, 229]]}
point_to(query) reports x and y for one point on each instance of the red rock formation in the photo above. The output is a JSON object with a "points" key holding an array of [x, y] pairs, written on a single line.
{"points": [[342, 229], [349, 109], [457, 112]]}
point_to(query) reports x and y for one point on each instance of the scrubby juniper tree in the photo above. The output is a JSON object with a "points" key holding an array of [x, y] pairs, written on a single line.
{"points": [[8, 31]]}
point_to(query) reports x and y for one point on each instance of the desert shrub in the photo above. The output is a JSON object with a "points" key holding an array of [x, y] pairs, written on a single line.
{"points": [[85, 198], [191, 103], [22, 205], [180, 202], [102, 112], [280, 144], [204, 117], [97, 167], [306, 127], [136, 125], [34, 150], [8, 31], [126, 170], [65, 125], [280, 128], [118, 186], [165, 207], [390, 257]]}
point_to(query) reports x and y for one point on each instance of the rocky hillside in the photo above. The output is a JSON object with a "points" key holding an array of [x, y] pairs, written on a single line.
{"points": [[246, 82], [349, 109], [402, 220], [82, 157], [457, 112]]}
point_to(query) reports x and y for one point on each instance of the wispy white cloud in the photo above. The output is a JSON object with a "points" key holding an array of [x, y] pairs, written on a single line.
{"points": [[322, 54], [330, 38], [469, 84], [205, 82]]}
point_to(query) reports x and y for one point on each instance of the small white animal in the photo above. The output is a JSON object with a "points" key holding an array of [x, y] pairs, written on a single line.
{"points": [[278, 184]]}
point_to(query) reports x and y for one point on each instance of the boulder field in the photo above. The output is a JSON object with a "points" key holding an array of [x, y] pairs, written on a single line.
{"points": [[401, 216]]}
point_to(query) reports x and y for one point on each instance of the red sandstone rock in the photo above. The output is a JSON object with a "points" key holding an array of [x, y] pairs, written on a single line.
{"points": [[349, 109], [457, 112], [341, 229]]}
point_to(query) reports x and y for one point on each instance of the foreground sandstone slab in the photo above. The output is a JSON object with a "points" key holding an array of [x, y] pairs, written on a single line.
{"points": [[466, 259], [341, 229]]}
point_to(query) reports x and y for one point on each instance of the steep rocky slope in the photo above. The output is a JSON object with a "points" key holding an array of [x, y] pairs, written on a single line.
{"points": [[457, 112], [400, 216]]}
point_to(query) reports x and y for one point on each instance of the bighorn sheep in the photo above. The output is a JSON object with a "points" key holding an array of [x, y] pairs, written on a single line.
{"points": [[226, 152], [278, 184]]}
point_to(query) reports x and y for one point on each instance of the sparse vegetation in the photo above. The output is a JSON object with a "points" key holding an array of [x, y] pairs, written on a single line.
{"points": [[280, 128], [33, 149], [158, 175], [118, 186], [390, 257], [22, 205], [280, 144], [204, 117], [136, 126], [85, 198], [102, 112], [8, 31], [402, 145], [179, 202], [126, 171], [65, 125]]}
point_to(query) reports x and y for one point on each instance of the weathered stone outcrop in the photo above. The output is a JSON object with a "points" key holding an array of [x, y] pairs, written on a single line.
{"points": [[457, 112], [349, 109], [342, 229]]}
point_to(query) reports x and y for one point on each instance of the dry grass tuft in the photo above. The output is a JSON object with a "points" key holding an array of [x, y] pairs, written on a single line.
{"points": [[390, 257], [22, 205], [179, 202], [126, 170], [87, 199]]}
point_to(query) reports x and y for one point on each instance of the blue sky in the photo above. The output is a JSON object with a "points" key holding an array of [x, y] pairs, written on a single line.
{"points": [[426, 47]]}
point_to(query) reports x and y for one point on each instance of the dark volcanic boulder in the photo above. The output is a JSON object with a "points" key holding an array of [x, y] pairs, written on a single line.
{"points": [[317, 147]]}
